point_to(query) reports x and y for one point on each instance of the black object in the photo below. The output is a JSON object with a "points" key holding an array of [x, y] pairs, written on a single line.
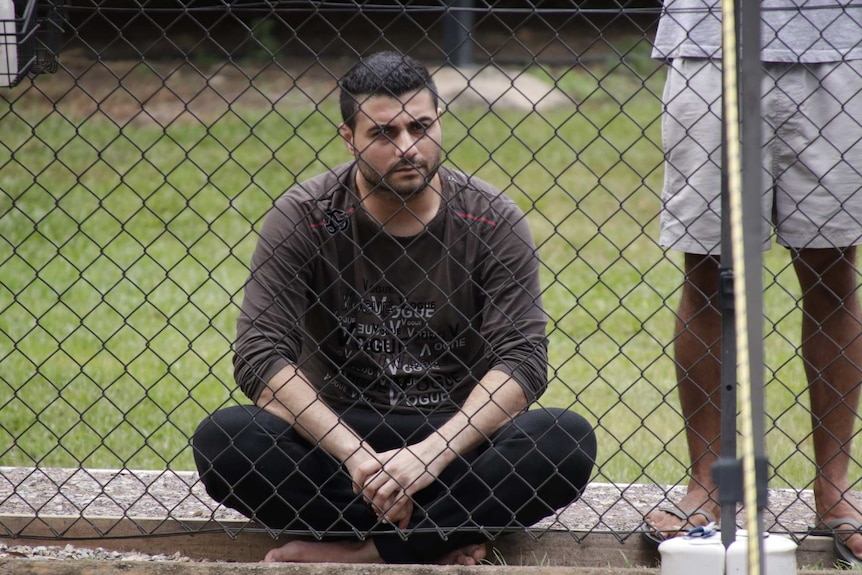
{"points": [[845, 557], [38, 32]]}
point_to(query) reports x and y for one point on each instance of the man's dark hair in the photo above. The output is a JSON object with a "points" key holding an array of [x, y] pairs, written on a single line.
{"points": [[382, 74]]}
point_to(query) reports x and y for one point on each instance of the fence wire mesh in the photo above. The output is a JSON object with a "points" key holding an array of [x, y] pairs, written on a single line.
{"points": [[137, 175]]}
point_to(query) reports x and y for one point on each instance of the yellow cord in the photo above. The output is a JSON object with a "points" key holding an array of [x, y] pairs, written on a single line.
{"points": [[734, 179]]}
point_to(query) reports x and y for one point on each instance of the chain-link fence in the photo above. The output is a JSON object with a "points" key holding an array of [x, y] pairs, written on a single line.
{"points": [[137, 174]]}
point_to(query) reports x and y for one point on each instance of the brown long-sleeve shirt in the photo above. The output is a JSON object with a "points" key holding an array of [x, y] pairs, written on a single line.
{"points": [[401, 324]]}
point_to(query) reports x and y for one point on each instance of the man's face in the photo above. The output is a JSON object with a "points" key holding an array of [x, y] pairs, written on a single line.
{"points": [[396, 142]]}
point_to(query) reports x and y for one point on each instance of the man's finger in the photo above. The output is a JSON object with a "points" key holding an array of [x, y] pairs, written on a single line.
{"points": [[363, 473], [407, 514], [387, 493], [396, 506]]}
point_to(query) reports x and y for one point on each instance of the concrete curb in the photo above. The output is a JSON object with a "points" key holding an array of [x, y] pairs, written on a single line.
{"points": [[524, 550], [166, 512], [41, 567], [37, 567]]}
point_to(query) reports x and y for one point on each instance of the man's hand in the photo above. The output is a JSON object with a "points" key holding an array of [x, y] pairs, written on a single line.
{"points": [[364, 464], [389, 480], [389, 483]]}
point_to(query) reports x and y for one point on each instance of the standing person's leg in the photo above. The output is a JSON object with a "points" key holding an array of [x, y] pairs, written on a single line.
{"points": [[697, 350], [832, 352], [691, 223], [818, 212]]}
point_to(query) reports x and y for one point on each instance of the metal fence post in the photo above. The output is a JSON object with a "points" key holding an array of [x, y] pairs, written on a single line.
{"points": [[457, 27]]}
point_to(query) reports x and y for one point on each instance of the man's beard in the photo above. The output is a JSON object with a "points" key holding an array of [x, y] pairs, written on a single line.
{"points": [[404, 190]]}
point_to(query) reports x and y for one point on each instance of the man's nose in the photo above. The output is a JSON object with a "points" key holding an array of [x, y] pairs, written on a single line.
{"points": [[406, 144]]}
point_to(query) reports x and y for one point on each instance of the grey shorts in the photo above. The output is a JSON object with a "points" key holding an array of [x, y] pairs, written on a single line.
{"points": [[811, 156]]}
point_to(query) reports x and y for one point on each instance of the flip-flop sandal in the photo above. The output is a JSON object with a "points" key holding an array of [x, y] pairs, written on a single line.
{"points": [[656, 538], [844, 555]]}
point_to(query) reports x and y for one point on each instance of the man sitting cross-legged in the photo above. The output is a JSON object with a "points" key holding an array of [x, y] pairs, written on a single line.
{"points": [[392, 338]]}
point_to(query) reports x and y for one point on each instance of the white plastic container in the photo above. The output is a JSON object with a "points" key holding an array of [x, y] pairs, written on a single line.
{"points": [[692, 555], [779, 553]]}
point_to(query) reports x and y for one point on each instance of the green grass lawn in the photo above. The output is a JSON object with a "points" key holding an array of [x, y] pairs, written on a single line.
{"points": [[124, 250]]}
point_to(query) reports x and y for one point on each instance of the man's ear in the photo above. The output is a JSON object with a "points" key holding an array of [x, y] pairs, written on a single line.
{"points": [[347, 137]]}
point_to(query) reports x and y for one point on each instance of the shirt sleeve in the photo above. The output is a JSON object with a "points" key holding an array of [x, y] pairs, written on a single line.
{"points": [[515, 322], [269, 326]]}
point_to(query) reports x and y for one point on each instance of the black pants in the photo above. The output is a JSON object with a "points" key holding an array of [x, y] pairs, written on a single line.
{"points": [[257, 464]]}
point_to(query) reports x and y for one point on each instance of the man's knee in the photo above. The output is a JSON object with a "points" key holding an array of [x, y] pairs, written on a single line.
{"points": [[217, 446], [217, 431], [559, 423], [564, 437], [210, 441], [577, 432]]}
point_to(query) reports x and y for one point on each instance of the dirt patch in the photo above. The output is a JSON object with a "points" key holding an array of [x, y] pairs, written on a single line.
{"points": [[163, 93]]}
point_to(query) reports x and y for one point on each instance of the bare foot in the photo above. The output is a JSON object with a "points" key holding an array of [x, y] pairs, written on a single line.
{"points": [[469, 555], [325, 552], [666, 525]]}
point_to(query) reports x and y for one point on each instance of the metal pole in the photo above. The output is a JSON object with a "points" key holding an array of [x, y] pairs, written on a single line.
{"points": [[744, 480], [457, 26], [750, 72], [727, 472]]}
